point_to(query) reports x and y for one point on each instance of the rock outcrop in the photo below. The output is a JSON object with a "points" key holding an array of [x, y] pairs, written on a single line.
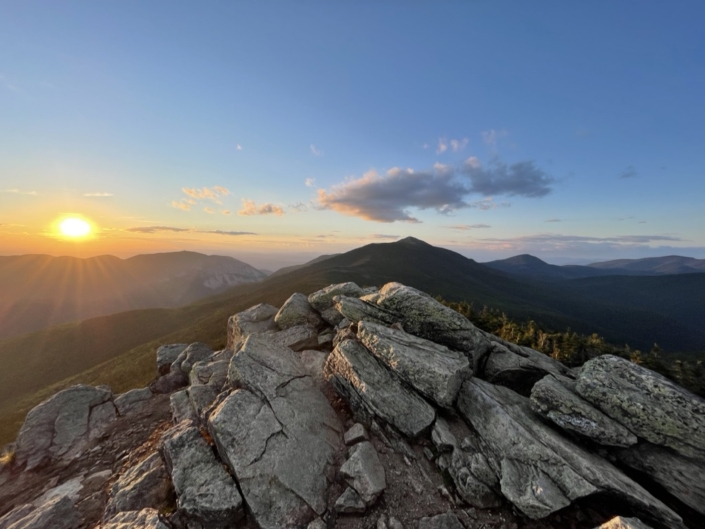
{"points": [[146, 485], [297, 311], [56, 513], [257, 319]]}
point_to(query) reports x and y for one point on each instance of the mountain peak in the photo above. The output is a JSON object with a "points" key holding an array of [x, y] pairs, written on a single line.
{"points": [[411, 240]]}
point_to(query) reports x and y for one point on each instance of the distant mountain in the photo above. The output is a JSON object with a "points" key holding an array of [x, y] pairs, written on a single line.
{"points": [[41, 290], [288, 269], [670, 264], [530, 266]]}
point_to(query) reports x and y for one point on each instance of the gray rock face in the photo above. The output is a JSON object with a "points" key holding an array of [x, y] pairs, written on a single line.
{"points": [[62, 425], [144, 519], [442, 437], [423, 316], [552, 398], [181, 408], [167, 355], [373, 390], [648, 404], [323, 299], [355, 434], [540, 471], [201, 398], [356, 310], [259, 318], [196, 352], [364, 472], [623, 523], [681, 476], [55, 513], [206, 494], [433, 370], [516, 367], [442, 521], [132, 401], [213, 373], [146, 485], [297, 311], [296, 338], [332, 316], [314, 362], [169, 383], [278, 435], [350, 502]]}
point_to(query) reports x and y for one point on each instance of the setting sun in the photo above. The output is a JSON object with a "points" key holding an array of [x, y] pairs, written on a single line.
{"points": [[74, 227]]}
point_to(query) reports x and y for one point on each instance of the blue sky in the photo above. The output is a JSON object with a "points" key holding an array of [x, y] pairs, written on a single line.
{"points": [[569, 130]]}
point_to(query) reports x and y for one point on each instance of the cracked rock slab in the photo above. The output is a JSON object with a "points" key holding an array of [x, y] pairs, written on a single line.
{"points": [[356, 310], [552, 398], [206, 493], [539, 470], [196, 352], [648, 404], [132, 401], [323, 299], [371, 389], [431, 369], [257, 319], [55, 513], [146, 485]]}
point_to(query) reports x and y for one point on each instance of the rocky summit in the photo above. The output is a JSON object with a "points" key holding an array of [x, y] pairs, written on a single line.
{"points": [[356, 408]]}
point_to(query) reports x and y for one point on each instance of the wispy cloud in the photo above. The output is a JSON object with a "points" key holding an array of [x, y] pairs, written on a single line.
{"points": [[553, 220], [558, 239], [249, 207], [454, 145], [315, 151], [209, 210], [310, 182], [230, 233], [467, 227], [19, 192], [629, 172], [491, 137], [158, 229], [384, 236], [387, 197], [215, 193], [238, 147], [183, 204], [98, 194], [225, 212], [298, 207]]}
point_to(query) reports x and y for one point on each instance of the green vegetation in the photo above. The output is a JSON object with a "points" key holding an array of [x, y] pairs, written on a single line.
{"points": [[574, 349]]}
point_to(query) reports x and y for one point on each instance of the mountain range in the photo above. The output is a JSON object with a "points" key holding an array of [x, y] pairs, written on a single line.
{"points": [[40, 290]]}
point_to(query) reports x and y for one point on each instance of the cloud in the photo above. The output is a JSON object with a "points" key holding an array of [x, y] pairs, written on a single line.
{"points": [[310, 182], [208, 210], [298, 207], [386, 237], [185, 204], [98, 194], [214, 194], [250, 208], [225, 212], [314, 151], [466, 227], [492, 136], [238, 147], [553, 220], [231, 233], [19, 192], [386, 198], [458, 145], [518, 179], [157, 229], [629, 172], [559, 239]]}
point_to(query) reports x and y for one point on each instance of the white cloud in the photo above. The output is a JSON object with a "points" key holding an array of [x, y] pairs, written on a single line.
{"points": [[19, 192], [492, 136], [98, 194], [315, 151], [310, 182], [238, 147], [250, 208]]}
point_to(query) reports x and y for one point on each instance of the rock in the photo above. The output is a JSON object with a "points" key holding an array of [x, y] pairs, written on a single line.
{"points": [[61, 426], [317, 524], [356, 310], [433, 370], [394, 523], [648, 404], [474, 479], [296, 338], [332, 316], [623, 523], [213, 373], [169, 383], [297, 311], [201, 398], [181, 408], [374, 391], [442, 521], [196, 352], [539, 470], [167, 355], [442, 437], [552, 398], [423, 316], [679, 475], [323, 299], [364, 472], [56, 513], [257, 319], [278, 435], [355, 434], [145, 485], [350, 502], [205, 492], [132, 401], [314, 362], [516, 367], [144, 519], [325, 340]]}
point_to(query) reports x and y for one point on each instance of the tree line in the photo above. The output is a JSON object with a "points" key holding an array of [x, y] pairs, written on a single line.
{"points": [[574, 349]]}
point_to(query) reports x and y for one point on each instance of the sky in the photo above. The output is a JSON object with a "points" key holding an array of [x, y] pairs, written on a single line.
{"points": [[275, 132]]}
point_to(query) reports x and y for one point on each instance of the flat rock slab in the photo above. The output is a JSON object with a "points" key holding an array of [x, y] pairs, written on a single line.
{"points": [[210, 373], [364, 472], [552, 398], [433, 370], [205, 492], [62, 425], [296, 338], [143, 519], [259, 318], [146, 485], [278, 435], [356, 310], [297, 311], [132, 401], [323, 299], [370, 388], [423, 316], [539, 470], [56, 513]]}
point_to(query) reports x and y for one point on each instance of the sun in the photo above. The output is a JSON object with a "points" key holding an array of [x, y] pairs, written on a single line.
{"points": [[74, 228]]}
